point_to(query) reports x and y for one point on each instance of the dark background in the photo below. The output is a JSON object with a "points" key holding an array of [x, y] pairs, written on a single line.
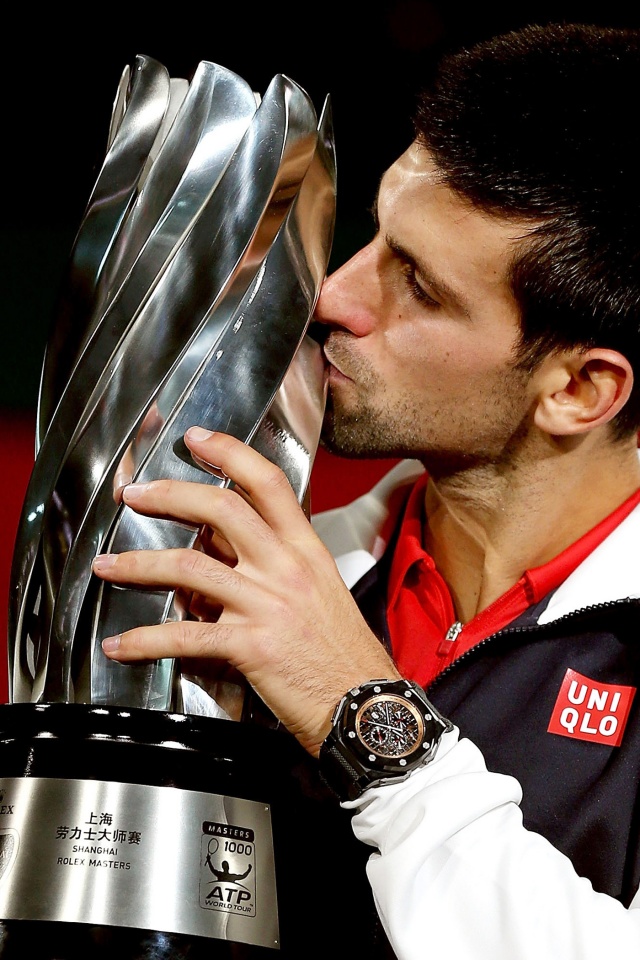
{"points": [[60, 72], [60, 77]]}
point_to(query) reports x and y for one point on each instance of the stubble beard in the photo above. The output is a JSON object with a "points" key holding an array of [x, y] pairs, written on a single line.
{"points": [[367, 427], [360, 429], [359, 432], [365, 433]]}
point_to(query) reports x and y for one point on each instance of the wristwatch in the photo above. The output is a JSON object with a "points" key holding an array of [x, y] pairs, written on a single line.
{"points": [[381, 731]]}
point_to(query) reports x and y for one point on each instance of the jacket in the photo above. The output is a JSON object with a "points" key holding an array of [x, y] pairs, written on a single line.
{"points": [[521, 839]]}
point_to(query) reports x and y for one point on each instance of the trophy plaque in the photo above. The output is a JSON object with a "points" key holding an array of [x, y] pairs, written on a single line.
{"points": [[137, 816]]}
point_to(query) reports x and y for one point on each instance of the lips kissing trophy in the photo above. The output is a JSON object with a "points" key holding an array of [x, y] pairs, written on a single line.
{"points": [[136, 816]]}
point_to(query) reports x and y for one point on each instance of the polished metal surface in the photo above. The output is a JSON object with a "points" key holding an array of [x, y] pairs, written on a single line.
{"points": [[198, 314], [132, 855], [233, 389], [138, 126], [196, 151], [188, 168], [193, 155]]}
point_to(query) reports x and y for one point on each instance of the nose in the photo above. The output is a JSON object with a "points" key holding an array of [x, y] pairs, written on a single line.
{"points": [[348, 297]]}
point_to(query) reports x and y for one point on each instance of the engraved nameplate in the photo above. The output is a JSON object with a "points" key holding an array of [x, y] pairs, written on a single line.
{"points": [[130, 855]]}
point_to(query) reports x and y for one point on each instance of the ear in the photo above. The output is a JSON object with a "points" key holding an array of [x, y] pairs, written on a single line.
{"points": [[581, 391]]}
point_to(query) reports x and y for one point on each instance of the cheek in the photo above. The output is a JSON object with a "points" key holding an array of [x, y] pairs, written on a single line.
{"points": [[427, 363], [444, 361]]}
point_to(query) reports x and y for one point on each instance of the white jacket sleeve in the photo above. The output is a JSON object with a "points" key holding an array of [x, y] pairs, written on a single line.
{"points": [[457, 876]]}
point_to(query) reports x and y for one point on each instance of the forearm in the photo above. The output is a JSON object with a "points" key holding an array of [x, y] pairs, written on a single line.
{"points": [[458, 876]]}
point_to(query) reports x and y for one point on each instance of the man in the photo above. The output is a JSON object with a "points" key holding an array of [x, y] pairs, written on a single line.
{"points": [[489, 335]]}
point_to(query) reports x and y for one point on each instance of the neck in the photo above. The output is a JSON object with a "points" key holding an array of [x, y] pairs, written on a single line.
{"points": [[487, 525]]}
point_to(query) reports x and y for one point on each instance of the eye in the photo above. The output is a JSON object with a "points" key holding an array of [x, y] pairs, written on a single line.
{"points": [[416, 291]]}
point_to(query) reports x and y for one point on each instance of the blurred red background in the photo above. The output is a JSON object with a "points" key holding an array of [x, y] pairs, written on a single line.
{"points": [[334, 481]]}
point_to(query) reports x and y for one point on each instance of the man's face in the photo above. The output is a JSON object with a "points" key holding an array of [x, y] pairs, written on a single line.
{"points": [[422, 330]]}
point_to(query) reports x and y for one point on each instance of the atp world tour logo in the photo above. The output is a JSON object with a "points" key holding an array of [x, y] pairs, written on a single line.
{"points": [[228, 875]]}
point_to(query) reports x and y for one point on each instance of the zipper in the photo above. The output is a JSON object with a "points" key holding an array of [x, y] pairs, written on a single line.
{"points": [[514, 631], [451, 636]]}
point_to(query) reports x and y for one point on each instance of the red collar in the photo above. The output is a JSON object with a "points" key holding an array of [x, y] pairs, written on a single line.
{"points": [[420, 610]]}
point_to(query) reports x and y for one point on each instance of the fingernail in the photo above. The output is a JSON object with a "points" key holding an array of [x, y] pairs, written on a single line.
{"points": [[198, 433], [104, 560], [121, 478], [134, 490], [110, 644]]}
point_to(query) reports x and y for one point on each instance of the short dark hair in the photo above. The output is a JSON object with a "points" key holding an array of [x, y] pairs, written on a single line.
{"points": [[541, 124]]}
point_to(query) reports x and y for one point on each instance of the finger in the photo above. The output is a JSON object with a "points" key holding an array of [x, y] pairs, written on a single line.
{"points": [[192, 503], [219, 508], [230, 515], [304, 708], [175, 639], [190, 571], [197, 504], [265, 483], [195, 643]]}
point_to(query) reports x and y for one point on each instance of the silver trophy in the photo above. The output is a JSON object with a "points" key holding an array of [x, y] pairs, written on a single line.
{"points": [[189, 293]]}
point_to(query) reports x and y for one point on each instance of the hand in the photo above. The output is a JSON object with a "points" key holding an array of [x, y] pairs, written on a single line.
{"points": [[279, 610]]}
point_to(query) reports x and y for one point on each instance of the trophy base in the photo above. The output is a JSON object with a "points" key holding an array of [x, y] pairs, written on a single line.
{"points": [[147, 835], [36, 940]]}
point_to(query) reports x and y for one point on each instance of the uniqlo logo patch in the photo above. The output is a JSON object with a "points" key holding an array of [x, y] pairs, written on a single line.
{"points": [[588, 710]]}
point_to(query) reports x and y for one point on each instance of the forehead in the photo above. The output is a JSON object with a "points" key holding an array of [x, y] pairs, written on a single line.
{"points": [[427, 218]]}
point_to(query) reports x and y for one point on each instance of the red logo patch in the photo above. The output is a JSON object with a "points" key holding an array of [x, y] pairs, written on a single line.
{"points": [[587, 710]]}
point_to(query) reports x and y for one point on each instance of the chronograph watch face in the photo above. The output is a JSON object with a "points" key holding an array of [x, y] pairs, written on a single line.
{"points": [[390, 726], [381, 731]]}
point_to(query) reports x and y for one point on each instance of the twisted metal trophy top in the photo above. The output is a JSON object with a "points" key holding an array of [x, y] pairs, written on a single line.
{"points": [[191, 285]]}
